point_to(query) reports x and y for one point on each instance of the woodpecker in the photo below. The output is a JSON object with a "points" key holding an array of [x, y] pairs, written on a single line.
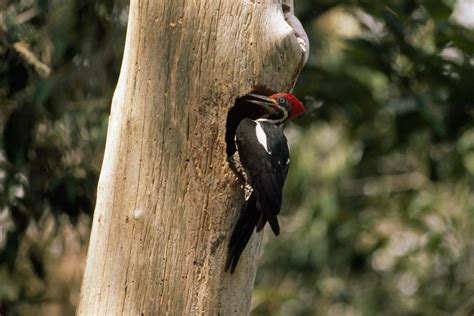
{"points": [[264, 155]]}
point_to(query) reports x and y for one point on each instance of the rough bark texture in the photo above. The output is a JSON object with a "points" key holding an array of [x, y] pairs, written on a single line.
{"points": [[167, 200]]}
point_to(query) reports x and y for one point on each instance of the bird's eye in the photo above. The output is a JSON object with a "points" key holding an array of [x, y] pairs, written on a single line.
{"points": [[281, 100]]}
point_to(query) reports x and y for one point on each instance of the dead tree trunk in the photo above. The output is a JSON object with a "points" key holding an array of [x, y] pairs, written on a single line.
{"points": [[166, 199]]}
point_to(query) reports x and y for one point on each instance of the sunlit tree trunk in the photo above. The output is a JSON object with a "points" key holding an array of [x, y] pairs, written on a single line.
{"points": [[166, 199]]}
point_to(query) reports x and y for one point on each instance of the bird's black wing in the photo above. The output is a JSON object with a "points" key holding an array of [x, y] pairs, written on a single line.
{"points": [[266, 166], [267, 169]]}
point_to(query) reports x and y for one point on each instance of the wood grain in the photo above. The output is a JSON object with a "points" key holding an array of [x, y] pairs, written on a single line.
{"points": [[166, 199]]}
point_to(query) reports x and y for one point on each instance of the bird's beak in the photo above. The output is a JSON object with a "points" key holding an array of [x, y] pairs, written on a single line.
{"points": [[266, 102]]}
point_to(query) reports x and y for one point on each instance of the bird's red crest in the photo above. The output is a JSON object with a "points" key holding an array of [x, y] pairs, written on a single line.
{"points": [[297, 107]]}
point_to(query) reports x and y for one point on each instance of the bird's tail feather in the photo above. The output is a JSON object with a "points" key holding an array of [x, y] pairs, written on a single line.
{"points": [[261, 223], [249, 217]]}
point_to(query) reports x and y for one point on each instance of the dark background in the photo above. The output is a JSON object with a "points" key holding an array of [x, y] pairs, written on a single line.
{"points": [[378, 213]]}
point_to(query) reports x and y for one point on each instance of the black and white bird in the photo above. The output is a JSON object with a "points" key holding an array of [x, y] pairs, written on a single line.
{"points": [[264, 155]]}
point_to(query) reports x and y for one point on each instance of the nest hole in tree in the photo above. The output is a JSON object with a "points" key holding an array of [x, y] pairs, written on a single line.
{"points": [[242, 109]]}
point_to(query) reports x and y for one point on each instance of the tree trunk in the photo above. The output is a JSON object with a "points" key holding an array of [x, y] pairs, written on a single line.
{"points": [[167, 199]]}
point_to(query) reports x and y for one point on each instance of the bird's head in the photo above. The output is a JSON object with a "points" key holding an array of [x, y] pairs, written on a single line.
{"points": [[280, 106]]}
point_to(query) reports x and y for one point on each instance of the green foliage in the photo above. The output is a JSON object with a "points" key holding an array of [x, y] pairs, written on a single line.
{"points": [[59, 63], [379, 204]]}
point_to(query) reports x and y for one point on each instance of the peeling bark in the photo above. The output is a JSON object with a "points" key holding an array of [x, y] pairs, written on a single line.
{"points": [[167, 199]]}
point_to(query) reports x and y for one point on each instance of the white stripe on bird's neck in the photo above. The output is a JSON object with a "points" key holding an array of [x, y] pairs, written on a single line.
{"points": [[275, 121], [261, 136]]}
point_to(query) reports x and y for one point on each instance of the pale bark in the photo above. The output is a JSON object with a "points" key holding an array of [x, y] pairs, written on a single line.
{"points": [[166, 199]]}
